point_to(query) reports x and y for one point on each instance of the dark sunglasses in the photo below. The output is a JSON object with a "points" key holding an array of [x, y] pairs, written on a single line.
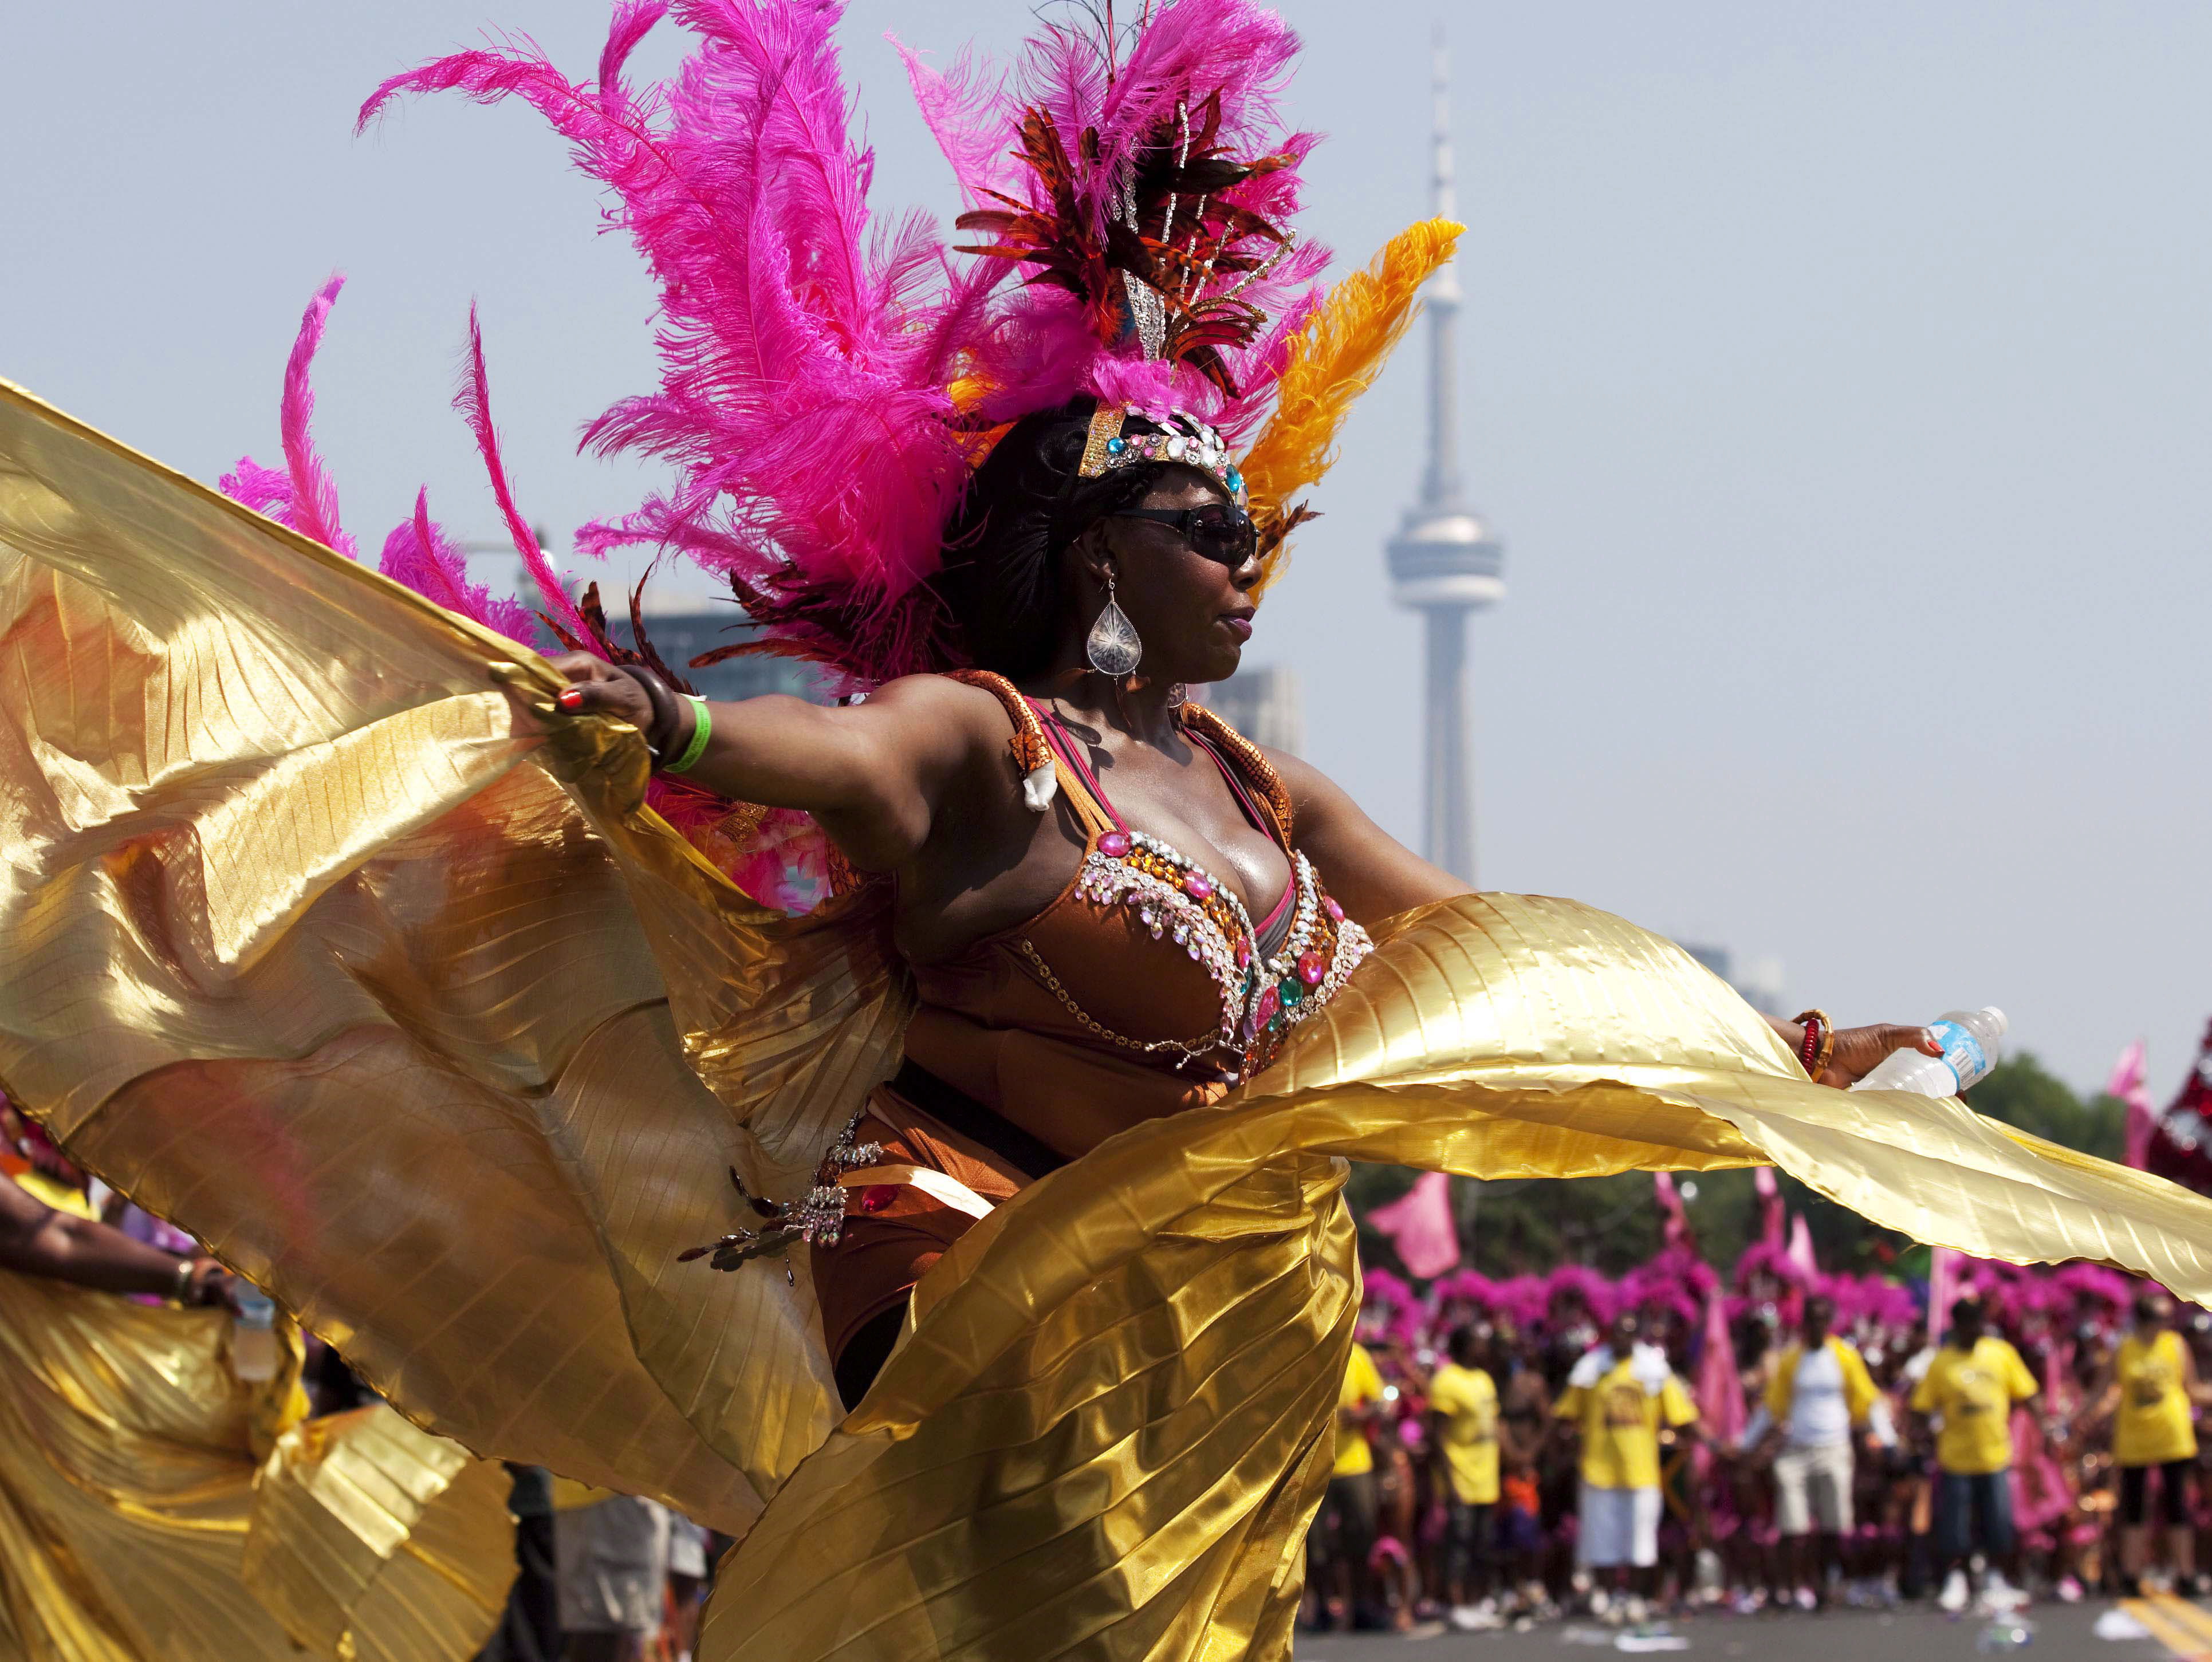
{"points": [[1218, 530]]}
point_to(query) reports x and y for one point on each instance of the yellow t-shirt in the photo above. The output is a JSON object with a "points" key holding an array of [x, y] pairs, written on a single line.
{"points": [[2152, 1425], [1620, 1422], [1467, 1398], [1974, 1391], [62, 1197], [1362, 1383]]}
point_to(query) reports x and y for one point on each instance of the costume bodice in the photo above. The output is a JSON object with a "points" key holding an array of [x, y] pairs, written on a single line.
{"points": [[1145, 977]]}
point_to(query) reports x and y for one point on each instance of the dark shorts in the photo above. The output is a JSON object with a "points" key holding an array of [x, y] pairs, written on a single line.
{"points": [[1470, 1536], [1974, 1509], [1344, 1529], [2173, 1492]]}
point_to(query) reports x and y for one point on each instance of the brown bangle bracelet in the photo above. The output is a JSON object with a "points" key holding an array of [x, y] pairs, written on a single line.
{"points": [[665, 714]]}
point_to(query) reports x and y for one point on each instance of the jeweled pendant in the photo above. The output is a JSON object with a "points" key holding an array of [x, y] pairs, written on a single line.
{"points": [[1113, 646]]}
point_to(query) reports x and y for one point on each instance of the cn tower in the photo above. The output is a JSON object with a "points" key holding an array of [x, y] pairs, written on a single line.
{"points": [[1444, 562]]}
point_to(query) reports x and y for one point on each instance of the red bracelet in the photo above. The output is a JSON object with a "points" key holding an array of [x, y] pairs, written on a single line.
{"points": [[1818, 1043]]}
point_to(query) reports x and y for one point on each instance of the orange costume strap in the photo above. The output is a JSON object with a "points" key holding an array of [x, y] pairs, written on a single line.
{"points": [[1248, 759], [1033, 755]]}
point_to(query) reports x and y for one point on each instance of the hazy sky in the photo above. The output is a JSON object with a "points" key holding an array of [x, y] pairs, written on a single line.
{"points": [[1840, 379]]}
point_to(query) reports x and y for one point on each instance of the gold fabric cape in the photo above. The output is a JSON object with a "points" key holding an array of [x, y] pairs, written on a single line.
{"points": [[139, 1521], [323, 935]]}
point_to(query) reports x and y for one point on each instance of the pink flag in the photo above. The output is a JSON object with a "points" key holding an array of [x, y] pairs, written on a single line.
{"points": [[1720, 1387], [1419, 1225], [1801, 1246], [2127, 1084], [1674, 1223], [1769, 1202], [1942, 1275]]}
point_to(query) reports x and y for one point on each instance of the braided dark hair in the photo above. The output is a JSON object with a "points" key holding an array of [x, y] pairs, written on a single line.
{"points": [[1004, 584]]}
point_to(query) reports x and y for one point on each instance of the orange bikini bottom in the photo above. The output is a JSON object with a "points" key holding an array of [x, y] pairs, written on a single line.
{"points": [[893, 1234]]}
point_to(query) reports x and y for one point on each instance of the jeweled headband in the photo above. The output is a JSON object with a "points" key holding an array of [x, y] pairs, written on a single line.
{"points": [[1187, 441]]}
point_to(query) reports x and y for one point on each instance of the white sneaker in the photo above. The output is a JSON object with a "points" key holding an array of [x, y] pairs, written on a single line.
{"points": [[1476, 1618], [1955, 1593], [2000, 1594]]}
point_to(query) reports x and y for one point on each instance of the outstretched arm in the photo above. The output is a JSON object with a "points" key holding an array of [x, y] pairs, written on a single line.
{"points": [[873, 774], [1371, 874], [35, 1239]]}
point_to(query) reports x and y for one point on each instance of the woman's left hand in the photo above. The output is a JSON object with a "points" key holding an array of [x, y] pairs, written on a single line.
{"points": [[1860, 1050]]}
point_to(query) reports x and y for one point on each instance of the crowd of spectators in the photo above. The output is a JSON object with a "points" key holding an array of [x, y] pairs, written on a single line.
{"points": [[1508, 1452]]}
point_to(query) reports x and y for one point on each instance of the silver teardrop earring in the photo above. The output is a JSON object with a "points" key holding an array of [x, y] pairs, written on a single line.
{"points": [[1113, 646]]}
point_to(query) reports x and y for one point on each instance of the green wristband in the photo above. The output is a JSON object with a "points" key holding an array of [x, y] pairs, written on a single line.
{"points": [[702, 728]]}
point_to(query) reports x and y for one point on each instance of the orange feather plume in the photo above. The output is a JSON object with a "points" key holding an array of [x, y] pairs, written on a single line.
{"points": [[1334, 359]]}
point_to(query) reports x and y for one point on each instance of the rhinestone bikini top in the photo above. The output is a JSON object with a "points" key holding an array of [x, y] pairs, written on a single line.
{"points": [[1269, 976]]}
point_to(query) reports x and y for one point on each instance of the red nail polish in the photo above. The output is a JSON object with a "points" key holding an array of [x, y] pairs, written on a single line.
{"points": [[571, 699]]}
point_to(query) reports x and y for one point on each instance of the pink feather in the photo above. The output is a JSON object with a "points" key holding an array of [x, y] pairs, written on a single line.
{"points": [[416, 553], [314, 499], [473, 400], [962, 109], [1189, 50], [263, 489], [420, 555]]}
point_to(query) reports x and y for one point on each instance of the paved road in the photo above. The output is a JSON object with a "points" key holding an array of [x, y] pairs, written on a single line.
{"points": [[2063, 1634]]}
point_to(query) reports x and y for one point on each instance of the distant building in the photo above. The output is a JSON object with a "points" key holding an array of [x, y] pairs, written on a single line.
{"points": [[1263, 703], [1758, 982]]}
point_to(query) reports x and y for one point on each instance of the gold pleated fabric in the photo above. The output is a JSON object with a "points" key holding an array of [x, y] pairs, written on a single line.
{"points": [[304, 946], [383, 983], [373, 1541], [132, 1528]]}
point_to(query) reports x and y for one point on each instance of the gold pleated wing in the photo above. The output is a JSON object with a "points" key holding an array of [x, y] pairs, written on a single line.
{"points": [[382, 983], [304, 946], [132, 1528]]}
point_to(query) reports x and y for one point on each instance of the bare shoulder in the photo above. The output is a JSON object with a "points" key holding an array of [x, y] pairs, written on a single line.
{"points": [[949, 715], [939, 696]]}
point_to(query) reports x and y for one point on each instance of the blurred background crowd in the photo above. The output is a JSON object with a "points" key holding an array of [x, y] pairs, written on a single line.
{"points": [[1744, 1398]]}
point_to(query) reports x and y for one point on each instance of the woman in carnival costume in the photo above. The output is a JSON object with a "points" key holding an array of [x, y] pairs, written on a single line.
{"points": [[443, 955]]}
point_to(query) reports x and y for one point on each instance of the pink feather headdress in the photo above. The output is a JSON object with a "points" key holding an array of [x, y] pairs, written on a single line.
{"points": [[829, 381]]}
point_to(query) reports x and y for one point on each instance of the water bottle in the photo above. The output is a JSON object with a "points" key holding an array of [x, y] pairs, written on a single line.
{"points": [[253, 1355], [1970, 1039]]}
